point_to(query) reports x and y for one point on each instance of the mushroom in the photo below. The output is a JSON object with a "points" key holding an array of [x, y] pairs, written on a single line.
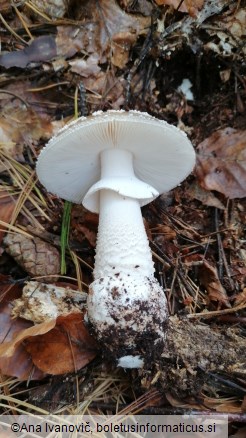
{"points": [[113, 163]]}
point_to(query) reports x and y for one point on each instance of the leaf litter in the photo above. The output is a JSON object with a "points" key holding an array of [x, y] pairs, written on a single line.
{"points": [[131, 55], [221, 163], [56, 343]]}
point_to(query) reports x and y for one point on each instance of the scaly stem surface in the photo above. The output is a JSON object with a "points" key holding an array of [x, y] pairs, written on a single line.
{"points": [[122, 243]]}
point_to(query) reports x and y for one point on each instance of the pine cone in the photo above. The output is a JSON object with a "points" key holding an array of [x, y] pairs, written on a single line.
{"points": [[35, 256]]}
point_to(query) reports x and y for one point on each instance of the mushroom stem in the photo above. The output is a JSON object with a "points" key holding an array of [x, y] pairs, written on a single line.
{"points": [[125, 303], [116, 163], [122, 244]]}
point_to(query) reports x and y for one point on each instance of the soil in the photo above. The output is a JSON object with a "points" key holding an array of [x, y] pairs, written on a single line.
{"points": [[197, 234]]}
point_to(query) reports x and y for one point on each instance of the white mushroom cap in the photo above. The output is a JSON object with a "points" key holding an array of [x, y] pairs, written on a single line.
{"points": [[70, 163]]}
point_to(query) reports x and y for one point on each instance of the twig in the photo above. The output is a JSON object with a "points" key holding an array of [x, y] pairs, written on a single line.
{"points": [[12, 30], [222, 258], [153, 410], [15, 95], [144, 51], [216, 312], [209, 9]]}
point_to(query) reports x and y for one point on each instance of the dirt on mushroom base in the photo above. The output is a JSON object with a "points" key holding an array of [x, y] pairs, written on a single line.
{"points": [[145, 343], [128, 316]]}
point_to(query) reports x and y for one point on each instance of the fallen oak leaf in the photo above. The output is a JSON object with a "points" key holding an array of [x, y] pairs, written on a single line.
{"points": [[65, 349]]}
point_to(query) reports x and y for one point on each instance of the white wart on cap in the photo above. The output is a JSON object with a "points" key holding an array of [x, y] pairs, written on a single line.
{"points": [[114, 163]]}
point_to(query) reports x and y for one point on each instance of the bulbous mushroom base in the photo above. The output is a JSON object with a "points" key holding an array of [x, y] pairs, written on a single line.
{"points": [[128, 315]]}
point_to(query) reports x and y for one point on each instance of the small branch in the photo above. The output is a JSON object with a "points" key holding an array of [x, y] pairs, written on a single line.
{"points": [[216, 312]]}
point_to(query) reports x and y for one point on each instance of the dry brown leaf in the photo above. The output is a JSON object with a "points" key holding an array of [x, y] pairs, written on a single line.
{"points": [[9, 292], [222, 405], [190, 6], [240, 298], [86, 67], [66, 338], [14, 359], [168, 232], [52, 8], [10, 98], [71, 40], [229, 33], [108, 87], [19, 364], [66, 348], [7, 206], [121, 44], [179, 403], [5, 6], [207, 198], [20, 126], [90, 235], [109, 32], [221, 163], [7, 349], [83, 225], [208, 277], [236, 23], [120, 28]]}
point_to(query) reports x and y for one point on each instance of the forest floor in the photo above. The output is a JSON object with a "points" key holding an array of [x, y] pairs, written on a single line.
{"points": [[180, 61]]}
